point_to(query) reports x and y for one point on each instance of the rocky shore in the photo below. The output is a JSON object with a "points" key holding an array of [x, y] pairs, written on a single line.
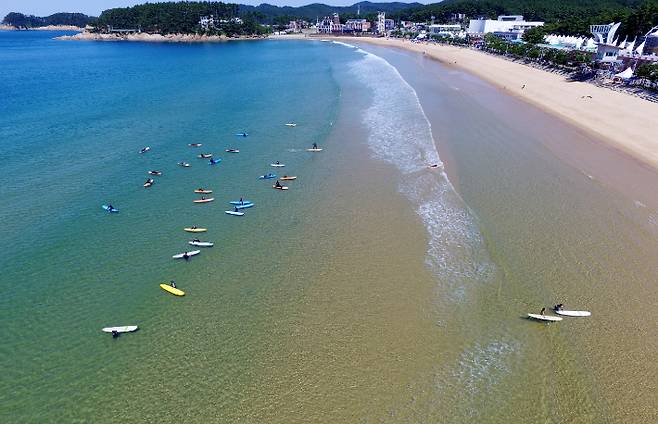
{"points": [[156, 38]]}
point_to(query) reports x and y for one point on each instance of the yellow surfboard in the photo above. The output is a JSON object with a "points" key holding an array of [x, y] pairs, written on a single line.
{"points": [[195, 230], [172, 290]]}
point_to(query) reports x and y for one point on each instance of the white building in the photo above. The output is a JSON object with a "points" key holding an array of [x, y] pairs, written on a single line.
{"points": [[330, 25], [509, 27], [207, 22], [445, 30], [357, 25], [381, 22], [607, 46]]}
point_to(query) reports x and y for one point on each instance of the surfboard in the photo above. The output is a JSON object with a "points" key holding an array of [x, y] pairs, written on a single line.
{"points": [[573, 313], [123, 329], [286, 178], [544, 317], [234, 213], [277, 165], [203, 200], [314, 150], [280, 188], [245, 206], [192, 253], [195, 230], [172, 290], [112, 210], [202, 191], [201, 243]]}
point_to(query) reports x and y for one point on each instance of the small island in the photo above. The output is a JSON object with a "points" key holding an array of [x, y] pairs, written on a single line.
{"points": [[57, 21]]}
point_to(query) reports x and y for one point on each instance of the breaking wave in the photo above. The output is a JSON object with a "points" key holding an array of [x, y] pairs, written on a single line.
{"points": [[400, 133]]}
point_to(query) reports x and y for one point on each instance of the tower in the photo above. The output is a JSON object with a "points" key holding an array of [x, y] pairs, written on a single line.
{"points": [[381, 22]]}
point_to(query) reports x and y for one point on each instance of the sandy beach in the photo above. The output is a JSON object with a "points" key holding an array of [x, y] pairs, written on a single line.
{"points": [[626, 122]]}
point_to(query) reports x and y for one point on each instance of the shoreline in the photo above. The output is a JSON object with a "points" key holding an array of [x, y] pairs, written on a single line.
{"points": [[154, 38], [43, 28], [621, 121], [618, 120]]}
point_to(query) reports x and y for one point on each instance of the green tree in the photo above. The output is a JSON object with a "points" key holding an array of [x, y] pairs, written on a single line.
{"points": [[534, 35]]}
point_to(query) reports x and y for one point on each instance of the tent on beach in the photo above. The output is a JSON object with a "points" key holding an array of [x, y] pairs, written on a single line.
{"points": [[625, 75]]}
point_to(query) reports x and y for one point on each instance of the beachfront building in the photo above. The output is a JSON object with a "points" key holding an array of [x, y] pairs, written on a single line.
{"points": [[649, 46], [607, 46], [330, 25], [607, 53], [381, 22], [357, 25], [445, 30], [509, 27], [296, 26]]}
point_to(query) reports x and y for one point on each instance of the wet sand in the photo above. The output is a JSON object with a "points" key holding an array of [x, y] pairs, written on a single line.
{"points": [[566, 218], [625, 122]]}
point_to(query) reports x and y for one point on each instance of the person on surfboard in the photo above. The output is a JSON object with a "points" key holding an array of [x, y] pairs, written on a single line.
{"points": [[172, 283], [542, 311], [277, 184]]}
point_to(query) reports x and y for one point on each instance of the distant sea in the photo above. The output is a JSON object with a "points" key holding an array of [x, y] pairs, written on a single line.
{"points": [[375, 289]]}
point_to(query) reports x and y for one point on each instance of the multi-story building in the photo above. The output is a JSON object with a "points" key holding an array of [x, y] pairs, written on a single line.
{"points": [[509, 27], [330, 25], [357, 25], [381, 22]]}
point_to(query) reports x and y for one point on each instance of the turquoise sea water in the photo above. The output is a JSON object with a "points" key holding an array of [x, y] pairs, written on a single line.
{"points": [[73, 117]]}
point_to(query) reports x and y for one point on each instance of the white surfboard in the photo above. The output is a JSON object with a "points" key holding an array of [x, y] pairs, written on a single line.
{"points": [[544, 317], [314, 150], [573, 313], [201, 243], [234, 213], [124, 329], [192, 253], [277, 165]]}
